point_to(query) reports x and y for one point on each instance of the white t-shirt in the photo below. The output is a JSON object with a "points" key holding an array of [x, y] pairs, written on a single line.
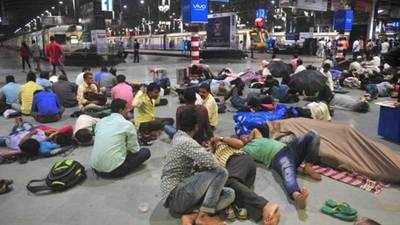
{"points": [[385, 47], [79, 79], [356, 46]]}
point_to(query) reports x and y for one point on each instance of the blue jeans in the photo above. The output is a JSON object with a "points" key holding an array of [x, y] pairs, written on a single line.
{"points": [[372, 90], [170, 130], [205, 189], [286, 162], [3, 141]]}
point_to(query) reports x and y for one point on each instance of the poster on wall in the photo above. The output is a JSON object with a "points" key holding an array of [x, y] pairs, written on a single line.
{"points": [[286, 3], [316, 5], [221, 30], [343, 20], [338, 5], [99, 39], [363, 6]]}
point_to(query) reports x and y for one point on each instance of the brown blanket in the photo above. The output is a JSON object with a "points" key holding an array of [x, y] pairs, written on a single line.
{"points": [[344, 147]]}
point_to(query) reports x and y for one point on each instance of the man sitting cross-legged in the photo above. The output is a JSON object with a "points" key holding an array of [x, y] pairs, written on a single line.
{"points": [[192, 178], [89, 96], [116, 151], [285, 159], [145, 120], [242, 174]]}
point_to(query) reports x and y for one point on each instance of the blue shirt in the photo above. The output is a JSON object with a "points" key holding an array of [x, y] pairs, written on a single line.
{"points": [[44, 83], [46, 147], [98, 76], [46, 103], [11, 92]]}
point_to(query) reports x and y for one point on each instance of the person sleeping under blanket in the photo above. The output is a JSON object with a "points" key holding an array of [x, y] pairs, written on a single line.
{"points": [[343, 147]]}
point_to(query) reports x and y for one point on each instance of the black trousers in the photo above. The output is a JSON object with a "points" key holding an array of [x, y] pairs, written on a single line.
{"points": [[25, 60], [157, 124], [242, 173], [131, 163], [135, 57]]}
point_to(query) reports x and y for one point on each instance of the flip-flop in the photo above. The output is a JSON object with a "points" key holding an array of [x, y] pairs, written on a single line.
{"points": [[342, 207], [334, 212], [7, 181], [5, 189]]}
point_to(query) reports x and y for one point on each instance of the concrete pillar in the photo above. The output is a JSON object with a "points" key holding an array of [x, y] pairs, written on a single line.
{"points": [[371, 24], [195, 48]]}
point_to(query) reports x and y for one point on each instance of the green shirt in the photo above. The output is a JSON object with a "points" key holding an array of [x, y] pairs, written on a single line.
{"points": [[263, 150], [114, 137]]}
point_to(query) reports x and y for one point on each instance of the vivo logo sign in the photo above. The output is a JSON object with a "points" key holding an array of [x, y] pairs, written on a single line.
{"points": [[199, 7]]}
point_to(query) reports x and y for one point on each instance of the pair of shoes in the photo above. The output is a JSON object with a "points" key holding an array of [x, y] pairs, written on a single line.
{"points": [[233, 212]]}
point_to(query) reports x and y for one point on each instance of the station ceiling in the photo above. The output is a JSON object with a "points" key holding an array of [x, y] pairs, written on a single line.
{"points": [[19, 12]]}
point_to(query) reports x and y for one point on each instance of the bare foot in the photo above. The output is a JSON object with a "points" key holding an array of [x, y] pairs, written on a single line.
{"points": [[308, 170], [189, 219], [300, 198], [204, 219], [271, 214]]}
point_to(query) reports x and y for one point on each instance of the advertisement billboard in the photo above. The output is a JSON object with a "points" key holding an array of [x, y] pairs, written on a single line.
{"points": [[261, 13], [107, 5], [343, 20], [194, 11], [221, 30], [99, 39], [316, 5]]}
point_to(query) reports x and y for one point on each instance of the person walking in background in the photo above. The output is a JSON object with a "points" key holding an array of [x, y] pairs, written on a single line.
{"points": [[25, 54], [54, 53], [356, 48], [385, 47], [35, 50], [136, 47]]}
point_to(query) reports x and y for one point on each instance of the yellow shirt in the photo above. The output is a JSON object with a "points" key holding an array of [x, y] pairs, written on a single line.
{"points": [[145, 110], [82, 89], [212, 109], [26, 94], [223, 152]]}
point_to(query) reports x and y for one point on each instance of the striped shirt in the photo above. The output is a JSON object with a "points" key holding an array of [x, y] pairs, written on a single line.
{"points": [[223, 152]]}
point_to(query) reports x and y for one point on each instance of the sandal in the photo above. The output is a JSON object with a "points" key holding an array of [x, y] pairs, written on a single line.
{"points": [[342, 207], [4, 188], [335, 212]]}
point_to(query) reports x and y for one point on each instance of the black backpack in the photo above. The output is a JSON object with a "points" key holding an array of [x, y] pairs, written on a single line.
{"points": [[63, 175]]}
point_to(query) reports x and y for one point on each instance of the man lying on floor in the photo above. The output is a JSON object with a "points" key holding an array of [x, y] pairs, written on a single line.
{"points": [[343, 147], [241, 176], [191, 178], [32, 141], [284, 159]]}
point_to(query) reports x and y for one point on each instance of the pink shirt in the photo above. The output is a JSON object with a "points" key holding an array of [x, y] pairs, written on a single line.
{"points": [[123, 91]]}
